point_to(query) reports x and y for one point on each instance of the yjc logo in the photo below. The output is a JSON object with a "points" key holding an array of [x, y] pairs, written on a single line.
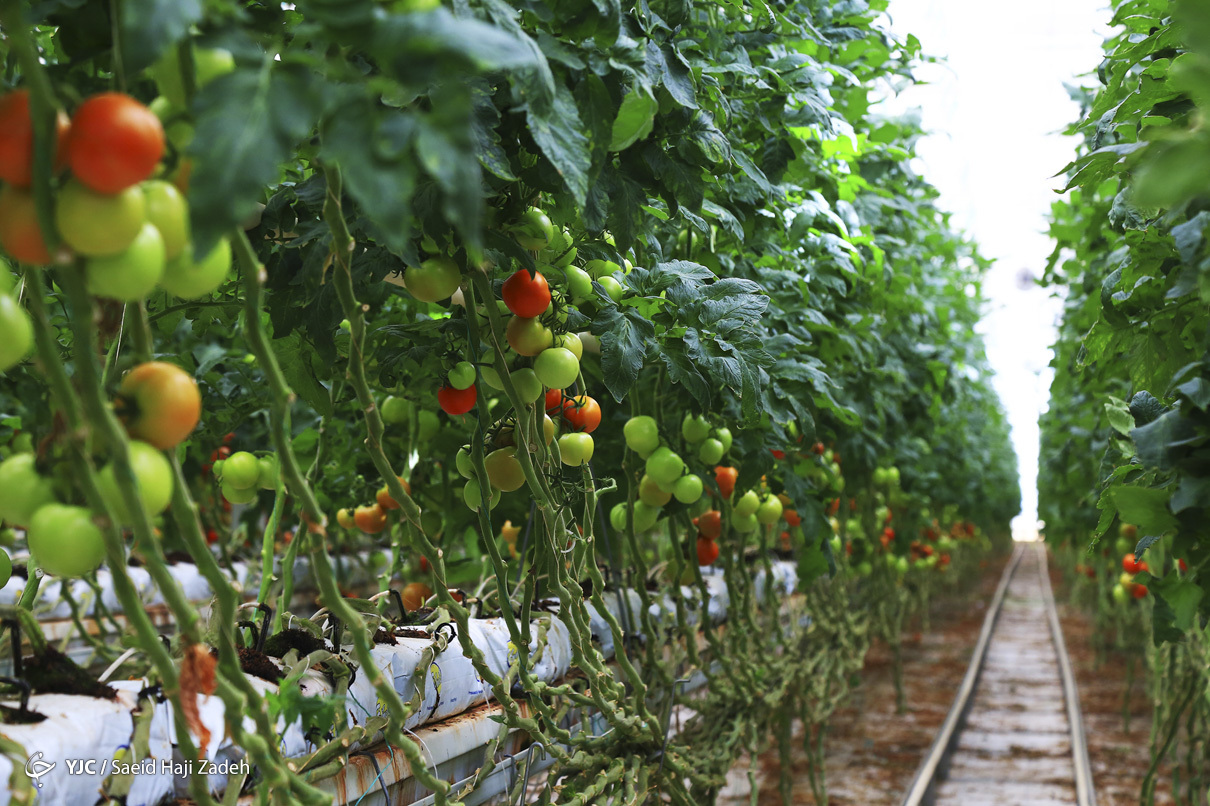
{"points": [[35, 767]]}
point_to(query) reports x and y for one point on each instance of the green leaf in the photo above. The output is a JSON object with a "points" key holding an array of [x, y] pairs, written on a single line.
{"points": [[558, 131], [248, 122], [149, 27], [635, 119], [1182, 594], [624, 335], [1118, 412], [1147, 507]]}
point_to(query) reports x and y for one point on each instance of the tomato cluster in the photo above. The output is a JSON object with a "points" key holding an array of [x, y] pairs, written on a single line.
{"points": [[130, 229]]}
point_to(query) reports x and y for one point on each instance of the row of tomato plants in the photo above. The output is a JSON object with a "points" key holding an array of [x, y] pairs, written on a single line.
{"points": [[611, 296], [1123, 484]]}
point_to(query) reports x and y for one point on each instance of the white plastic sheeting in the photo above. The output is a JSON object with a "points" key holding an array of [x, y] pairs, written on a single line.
{"points": [[83, 728]]}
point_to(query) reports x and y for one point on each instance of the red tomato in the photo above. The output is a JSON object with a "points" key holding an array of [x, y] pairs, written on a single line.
{"points": [[424, 565], [17, 139], [20, 235], [707, 551], [710, 524], [725, 478], [456, 401], [834, 507], [1130, 565], [779, 455], [817, 449], [555, 400], [526, 295], [211, 536], [582, 413], [115, 142], [1139, 591], [1184, 567]]}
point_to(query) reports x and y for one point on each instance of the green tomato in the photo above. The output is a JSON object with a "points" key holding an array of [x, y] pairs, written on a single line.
{"points": [[688, 489], [723, 435], [22, 490], [434, 280], [6, 568], [664, 466], [576, 449], [617, 517], [695, 428], [153, 480], [395, 411], [744, 523], [526, 382], [864, 568], [64, 541], [462, 376], [132, 274], [189, 280], [642, 434], [241, 471], [880, 476], [837, 546], [168, 213], [534, 230], [1120, 594], [239, 496], [490, 377], [96, 224], [893, 476], [427, 425], [571, 341], [770, 510], [463, 462], [612, 287], [651, 494], [579, 284], [710, 452], [208, 64], [557, 367], [269, 471], [8, 537], [504, 472], [748, 503], [472, 496], [598, 269], [901, 565], [644, 516], [16, 332], [528, 337]]}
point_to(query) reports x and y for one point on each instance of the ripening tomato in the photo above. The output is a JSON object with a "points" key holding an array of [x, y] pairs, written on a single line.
{"points": [[707, 551], [526, 295], [456, 401], [115, 142], [96, 224], [528, 337], [345, 518], [153, 480], [132, 274], [576, 449], [710, 523], [582, 413], [792, 517], [414, 595], [504, 471], [17, 139], [371, 519], [725, 478], [16, 332], [20, 235], [159, 403], [384, 494]]}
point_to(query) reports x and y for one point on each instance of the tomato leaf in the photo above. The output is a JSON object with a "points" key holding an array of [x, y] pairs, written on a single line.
{"points": [[149, 27]]}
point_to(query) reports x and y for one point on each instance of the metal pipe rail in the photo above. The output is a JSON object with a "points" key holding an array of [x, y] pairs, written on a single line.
{"points": [[1012, 708]]}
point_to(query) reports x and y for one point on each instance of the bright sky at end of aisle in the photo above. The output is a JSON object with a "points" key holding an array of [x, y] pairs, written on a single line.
{"points": [[995, 110]]}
